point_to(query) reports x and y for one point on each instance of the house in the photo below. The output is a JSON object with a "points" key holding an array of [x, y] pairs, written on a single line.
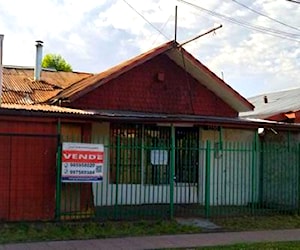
{"points": [[28, 141], [281, 106], [168, 126]]}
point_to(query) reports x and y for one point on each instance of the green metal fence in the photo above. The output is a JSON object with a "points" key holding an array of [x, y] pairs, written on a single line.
{"points": [[161, 175]]}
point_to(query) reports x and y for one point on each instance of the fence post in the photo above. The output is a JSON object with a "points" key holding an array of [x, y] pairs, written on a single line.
{"points": [[299, 179], [255, 152], [207, 179], [172, 171], [58, 173], [117, 176]]}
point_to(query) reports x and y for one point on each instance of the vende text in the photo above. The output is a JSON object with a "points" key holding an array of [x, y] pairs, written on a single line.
{"points": [[82, 156]]}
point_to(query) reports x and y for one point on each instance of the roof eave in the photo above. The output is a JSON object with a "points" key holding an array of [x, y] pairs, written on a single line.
{"points": [[194, 67]]}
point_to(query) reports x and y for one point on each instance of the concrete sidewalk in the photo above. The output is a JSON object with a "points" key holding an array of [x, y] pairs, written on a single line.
{"points": [[166, 241]]}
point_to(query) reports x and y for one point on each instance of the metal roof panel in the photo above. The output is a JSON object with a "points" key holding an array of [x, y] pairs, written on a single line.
{"points": [[270, 104]]}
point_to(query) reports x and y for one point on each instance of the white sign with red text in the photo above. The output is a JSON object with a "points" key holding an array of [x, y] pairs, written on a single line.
{"points": [[82, 162]]}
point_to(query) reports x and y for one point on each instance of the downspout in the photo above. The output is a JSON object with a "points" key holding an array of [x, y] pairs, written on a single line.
{"points": [[1, 67]]}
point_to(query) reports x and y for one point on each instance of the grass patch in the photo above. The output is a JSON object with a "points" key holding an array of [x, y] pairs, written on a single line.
{"points": [[71, 230], [248, 223], [22, 232]]}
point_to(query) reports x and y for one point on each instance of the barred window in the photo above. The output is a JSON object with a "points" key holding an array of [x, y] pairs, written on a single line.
{"points": [[125, 153]]}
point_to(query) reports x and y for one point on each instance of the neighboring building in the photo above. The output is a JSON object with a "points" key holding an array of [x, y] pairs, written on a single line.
{"points": [[281, 106], [20, 86]]}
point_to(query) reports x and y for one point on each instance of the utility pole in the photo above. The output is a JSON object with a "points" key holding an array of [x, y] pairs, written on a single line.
{"points": [[175, 34], [193, 39]]}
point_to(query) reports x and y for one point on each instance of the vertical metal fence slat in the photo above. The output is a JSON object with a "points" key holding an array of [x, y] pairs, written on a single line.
{"points": [[172, 171], [207, 180], [298, 186], [118, 148], [58, 178], [253, 178]]}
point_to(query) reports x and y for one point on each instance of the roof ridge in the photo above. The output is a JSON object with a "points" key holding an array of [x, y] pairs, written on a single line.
{"points": [[275, 91]]}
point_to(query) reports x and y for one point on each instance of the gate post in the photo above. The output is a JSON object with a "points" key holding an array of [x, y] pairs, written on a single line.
{"points": [[172, 171], [117, 176], [298, 179], [255, 154], [207, 180], [58, 174]]}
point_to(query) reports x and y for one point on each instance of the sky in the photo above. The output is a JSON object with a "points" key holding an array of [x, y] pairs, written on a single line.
{"points": [[95, 35]]}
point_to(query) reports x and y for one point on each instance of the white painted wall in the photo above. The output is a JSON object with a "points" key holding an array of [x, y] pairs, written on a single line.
{"points": [[230, 172], [227, 184]]}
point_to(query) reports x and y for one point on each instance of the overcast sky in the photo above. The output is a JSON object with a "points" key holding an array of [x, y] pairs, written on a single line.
{"points": [[95, 35]]}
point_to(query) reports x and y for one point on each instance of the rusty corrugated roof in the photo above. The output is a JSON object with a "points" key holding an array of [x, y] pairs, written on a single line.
{"points": [[45, 108], [19, 87]]}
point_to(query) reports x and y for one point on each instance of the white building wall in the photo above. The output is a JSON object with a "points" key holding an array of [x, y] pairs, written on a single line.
{"points": [[231, 173], [232, 169]]}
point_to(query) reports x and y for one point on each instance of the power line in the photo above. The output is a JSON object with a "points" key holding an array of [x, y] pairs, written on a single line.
{"points": [[146, 20], [265, 30], [293, 1], [264, 15], [162, 28]]}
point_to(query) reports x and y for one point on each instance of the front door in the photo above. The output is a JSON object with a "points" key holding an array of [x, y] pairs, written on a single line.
{"points": [[186, 165], [187, 157]]}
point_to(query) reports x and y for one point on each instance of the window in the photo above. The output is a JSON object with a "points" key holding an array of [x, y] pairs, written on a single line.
{"points": [[157, 151], [125, 153]]}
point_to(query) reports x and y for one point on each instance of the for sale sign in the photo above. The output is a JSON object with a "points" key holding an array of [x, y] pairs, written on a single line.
{"points": [[82, 162]]}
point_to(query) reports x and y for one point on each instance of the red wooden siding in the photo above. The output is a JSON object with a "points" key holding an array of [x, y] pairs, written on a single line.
{"points": [[27, 170], [160, 86]]}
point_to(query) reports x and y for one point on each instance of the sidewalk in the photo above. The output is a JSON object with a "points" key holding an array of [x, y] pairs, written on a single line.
{"points": [[166, 241]]}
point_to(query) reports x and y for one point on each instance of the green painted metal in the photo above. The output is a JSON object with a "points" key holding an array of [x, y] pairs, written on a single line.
{"points": [[207, 179], [58, 173], [255, 151], [236, 179], [172, 171], [118, 149], [298, 191]]}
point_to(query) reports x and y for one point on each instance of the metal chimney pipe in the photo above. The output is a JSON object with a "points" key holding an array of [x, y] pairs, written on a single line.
{"points": [[1, 66], [38, 60]]}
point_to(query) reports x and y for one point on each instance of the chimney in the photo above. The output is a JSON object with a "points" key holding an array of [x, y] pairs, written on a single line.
{"points": [[1, 67], [38, 60]]}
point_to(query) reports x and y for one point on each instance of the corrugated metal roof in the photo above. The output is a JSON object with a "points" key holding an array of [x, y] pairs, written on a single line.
{"points": [[20, 88], [277, 102], [45, 108], [181, 57]]}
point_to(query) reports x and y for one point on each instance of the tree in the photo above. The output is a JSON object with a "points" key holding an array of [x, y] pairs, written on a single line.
{"points": [[56, 61]]}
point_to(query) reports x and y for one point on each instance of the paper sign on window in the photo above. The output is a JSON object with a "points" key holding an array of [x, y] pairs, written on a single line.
{"points": [[159, 157]]}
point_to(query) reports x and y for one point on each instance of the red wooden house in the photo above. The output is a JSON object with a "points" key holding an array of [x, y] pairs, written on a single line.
{"points": [[162, 97]]}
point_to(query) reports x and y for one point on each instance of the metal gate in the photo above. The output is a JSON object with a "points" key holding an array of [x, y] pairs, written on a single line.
{"points": [[163, 172]]}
